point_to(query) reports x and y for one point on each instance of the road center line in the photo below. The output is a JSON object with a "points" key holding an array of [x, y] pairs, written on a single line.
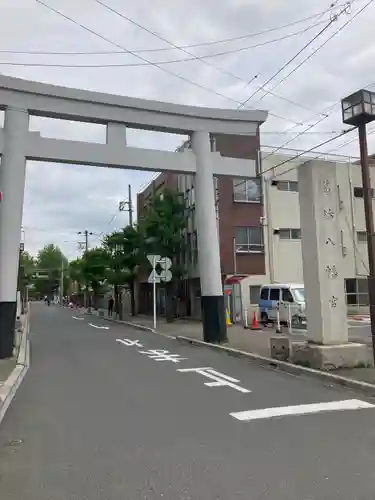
{"points": [[350, 404], [79, 319]]}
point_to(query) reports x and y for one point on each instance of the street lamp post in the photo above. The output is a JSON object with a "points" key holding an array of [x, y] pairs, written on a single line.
{"points": [[358, 109]]}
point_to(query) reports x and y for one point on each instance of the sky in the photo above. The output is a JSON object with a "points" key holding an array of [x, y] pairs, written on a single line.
{"points": [[39, 44]]}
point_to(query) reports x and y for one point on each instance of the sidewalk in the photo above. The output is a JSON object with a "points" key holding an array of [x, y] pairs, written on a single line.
{"points": [[256, 341], [6, 368]]}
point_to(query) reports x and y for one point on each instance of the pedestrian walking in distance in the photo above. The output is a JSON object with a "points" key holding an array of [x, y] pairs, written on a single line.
{"points": [[111, 303]]}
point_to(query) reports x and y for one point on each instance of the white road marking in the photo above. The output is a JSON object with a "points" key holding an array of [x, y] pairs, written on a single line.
{"points": [[128, 342], [350, 404], [162, 355], [220, 379], [101, 327], [79, 319]]}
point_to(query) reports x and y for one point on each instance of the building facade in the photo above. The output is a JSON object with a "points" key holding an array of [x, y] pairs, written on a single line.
{"points": [[259, 226], [282, 228], [239, 209]]}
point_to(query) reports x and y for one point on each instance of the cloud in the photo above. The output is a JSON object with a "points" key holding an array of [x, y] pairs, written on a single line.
{"points": [[61, 200]]}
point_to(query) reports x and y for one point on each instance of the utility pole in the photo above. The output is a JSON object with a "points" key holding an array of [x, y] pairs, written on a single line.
{"points": [[127, 205], [87, 234], [87, 295]]}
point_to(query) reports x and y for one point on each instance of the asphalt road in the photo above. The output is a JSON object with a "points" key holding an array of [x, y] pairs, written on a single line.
{"points": [[99, 419]]}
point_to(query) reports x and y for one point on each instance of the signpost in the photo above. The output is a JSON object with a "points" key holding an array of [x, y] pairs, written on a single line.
{"points": [[165, 264]]}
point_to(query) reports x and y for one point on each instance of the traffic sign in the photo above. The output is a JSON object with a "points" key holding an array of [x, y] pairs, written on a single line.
{"points": [[165, 263]]}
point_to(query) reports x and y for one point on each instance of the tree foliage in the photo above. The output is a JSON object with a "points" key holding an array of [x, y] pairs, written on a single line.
{"points": [[49, 263], [162, 228], [28, 263], [126, 250], [122, 253]]}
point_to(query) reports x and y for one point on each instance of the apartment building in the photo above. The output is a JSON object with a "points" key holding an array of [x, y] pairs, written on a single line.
{"points": [[259, 227], [282, 229], [239, 214]]}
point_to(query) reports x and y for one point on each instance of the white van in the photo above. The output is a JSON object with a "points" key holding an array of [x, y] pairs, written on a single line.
{"points": [[289, 298]]}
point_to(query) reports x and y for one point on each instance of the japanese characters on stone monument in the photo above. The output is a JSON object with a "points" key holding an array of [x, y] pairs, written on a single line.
{"points": [[322, 256]]}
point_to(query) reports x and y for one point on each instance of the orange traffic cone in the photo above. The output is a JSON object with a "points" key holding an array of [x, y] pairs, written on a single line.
{"points": [[255, 324]]}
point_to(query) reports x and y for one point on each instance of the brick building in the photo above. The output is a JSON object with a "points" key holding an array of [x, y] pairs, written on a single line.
{"points": [[239, 215]]}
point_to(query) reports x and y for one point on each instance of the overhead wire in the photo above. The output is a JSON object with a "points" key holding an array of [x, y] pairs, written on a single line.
{"points": [[151, 63], [331, 107], [293, 58], [165, 49], [344, 132], [167, 71], [200, 59], [320, 46], [265, 66], [163, 62]]}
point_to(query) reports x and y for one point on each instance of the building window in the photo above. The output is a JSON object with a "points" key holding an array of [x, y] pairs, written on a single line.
{"points": [[289, 234], [254, 292], [361, 236], [287, 186], [356, 291], [247, 190], [249, 240], [358, 192]]}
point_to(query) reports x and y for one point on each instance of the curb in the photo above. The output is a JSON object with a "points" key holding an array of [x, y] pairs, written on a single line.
{"points": [[12, 383], [284, 366], [134, 325]]}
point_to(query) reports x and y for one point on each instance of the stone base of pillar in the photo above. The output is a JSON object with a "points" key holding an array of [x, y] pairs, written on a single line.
{"points": [[213, 319], [332, 357], [8, 311]]}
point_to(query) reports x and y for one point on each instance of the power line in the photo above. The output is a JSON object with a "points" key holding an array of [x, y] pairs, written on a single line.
{"points": [[331, 107], [287, 132], [201, 59], [306, 151], [320, 47], [167, 71], [165, 49], [170, 61], [294, 150], [279, 54], [312, 40]]}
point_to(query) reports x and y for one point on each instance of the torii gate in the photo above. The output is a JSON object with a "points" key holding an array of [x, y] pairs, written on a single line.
{"points": [[21, 98]]}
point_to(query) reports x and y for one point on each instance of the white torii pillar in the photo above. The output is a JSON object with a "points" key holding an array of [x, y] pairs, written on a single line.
{"points": [[12, 186], [212, 299]]}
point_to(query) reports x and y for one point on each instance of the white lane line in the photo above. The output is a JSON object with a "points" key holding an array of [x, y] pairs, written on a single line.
{"points": [[101, 327], [128, 342], [79, 319], [220, 379], [350, 404]]}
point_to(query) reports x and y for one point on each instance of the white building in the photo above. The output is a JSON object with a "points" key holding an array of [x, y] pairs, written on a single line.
{"points": [[282, 231]]}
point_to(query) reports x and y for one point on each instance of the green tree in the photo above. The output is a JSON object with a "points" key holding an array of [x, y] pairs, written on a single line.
{"points": [[92, 270], [126, 248], [25, 271], [28, 263], [50, 261], [162, 228]]}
